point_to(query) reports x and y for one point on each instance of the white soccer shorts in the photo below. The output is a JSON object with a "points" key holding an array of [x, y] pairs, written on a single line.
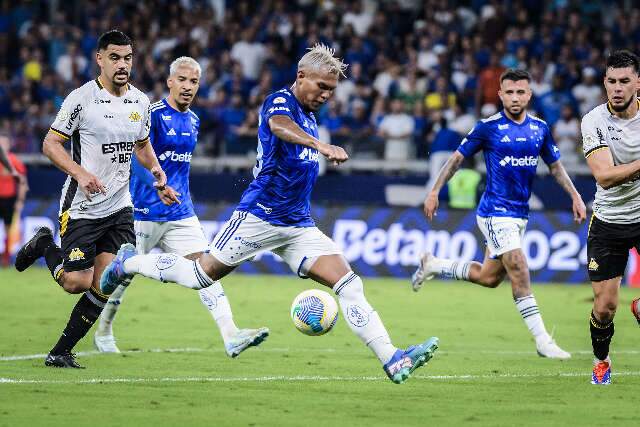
{"points": [[502, 234], [245, 235], [182, 237]]}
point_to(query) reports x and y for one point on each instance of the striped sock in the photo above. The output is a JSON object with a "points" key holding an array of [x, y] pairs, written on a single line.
{"points": [[449, 269], [528, 308], [169, 268]]}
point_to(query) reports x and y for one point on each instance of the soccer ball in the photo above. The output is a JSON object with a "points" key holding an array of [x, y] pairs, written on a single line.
{"points": [[314, 312]]}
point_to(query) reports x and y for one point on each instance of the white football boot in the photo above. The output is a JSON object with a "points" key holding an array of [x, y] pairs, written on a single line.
{"points": [[244, 339], [105, 344], [423, 272], [551, 350]]}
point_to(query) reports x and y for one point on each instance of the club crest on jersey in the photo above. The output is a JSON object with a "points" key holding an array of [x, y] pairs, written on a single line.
{"points": [[76, 254], [135, 116]]}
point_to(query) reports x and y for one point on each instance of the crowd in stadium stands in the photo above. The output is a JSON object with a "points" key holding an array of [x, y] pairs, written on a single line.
{"points": [[419, 76]]}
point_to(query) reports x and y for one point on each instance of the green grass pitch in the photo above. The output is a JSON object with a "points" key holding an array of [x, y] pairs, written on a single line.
{"points": [[174, 371]]}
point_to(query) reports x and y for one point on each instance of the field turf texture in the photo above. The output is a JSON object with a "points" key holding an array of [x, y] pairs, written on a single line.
{"points": [[173, 369]]}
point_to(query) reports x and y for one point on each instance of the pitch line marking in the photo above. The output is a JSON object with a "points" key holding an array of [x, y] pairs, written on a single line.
{"points": [[298, 378], [286, 350]]}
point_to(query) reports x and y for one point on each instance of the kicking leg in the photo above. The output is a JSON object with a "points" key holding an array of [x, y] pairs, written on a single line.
{"points": [[334, 271], [517, 269], [488, 274]]}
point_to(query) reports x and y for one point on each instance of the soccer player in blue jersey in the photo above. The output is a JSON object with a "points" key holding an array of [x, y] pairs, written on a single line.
{"points": [[512, 141], [175, 228], [274, 214]]}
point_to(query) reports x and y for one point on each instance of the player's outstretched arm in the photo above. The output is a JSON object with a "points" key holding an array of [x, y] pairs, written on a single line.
{"points": [[445, 174], [609, 175], [53, 148], [286, 129], [560, 174]]}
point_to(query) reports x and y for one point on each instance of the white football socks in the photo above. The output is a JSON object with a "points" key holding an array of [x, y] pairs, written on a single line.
{"points": [[528, 308], [109, 311], [215, 300], [169, 268], [363, 320], [449, 269]]}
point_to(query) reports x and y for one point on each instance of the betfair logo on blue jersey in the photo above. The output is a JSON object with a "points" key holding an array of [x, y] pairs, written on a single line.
{"points": [[519, 161], [309, 154], [175, 157]]}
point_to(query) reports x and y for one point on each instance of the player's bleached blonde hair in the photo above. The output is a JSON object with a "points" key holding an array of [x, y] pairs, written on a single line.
{"points": [[321, 58], [184, 61]]}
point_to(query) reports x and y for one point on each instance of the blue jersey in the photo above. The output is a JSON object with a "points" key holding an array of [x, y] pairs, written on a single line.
{"points": [[284, 173], [511, 152], [173, 137]]}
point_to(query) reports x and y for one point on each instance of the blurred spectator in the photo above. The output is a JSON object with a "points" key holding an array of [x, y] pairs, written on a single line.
{"points": [[250, 54], [359, 132], [444, 144], [71, 64], [588, 93], [397, 130], [13, 190], [489, 83], [566, 132], [550, 104]]}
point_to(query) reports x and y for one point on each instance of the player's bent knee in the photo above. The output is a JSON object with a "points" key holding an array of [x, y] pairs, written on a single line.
{"points": [[215, 269]]}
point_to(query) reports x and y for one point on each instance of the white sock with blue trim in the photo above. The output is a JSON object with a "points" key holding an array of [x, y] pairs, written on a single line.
{"points": [[363, 320], [449, 269], [528, 308], [169, 268], [215, 300]]}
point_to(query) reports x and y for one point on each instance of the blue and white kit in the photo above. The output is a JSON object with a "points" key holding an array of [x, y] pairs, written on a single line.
{"points": [[275, 210], [174, 228], [511, 151]]}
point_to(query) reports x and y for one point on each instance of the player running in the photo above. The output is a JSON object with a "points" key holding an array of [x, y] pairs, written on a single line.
{"points": [[106, 119], [511, 140], [274, 214], [610, 135], [175, 228]]}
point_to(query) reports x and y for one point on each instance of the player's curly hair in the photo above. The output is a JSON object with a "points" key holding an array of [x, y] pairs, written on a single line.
{"points": [[321, 57], [623, 59]]}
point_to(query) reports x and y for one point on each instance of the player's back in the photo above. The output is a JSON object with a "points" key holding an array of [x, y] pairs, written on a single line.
{"points": [[173, 136], [285, 173], [511, 152]]}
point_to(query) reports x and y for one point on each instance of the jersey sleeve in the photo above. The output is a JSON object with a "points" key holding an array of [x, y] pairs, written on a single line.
{"points": [[549, 151], [70, 115], [474, 141], [592, 136], [280, 103], [146, 123], [153, 130]]}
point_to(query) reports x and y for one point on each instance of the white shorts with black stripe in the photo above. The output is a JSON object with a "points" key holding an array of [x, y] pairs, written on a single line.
{"points": [[502, 234], [245, 235]]}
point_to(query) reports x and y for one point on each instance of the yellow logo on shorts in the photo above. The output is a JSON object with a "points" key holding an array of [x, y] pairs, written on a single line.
{"points": [[593, 265], [76, 254], [135, 116]]}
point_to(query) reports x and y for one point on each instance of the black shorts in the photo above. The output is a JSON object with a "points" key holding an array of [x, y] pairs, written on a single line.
{"points": [[608, 247], [7, 205], [82, 239]]}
